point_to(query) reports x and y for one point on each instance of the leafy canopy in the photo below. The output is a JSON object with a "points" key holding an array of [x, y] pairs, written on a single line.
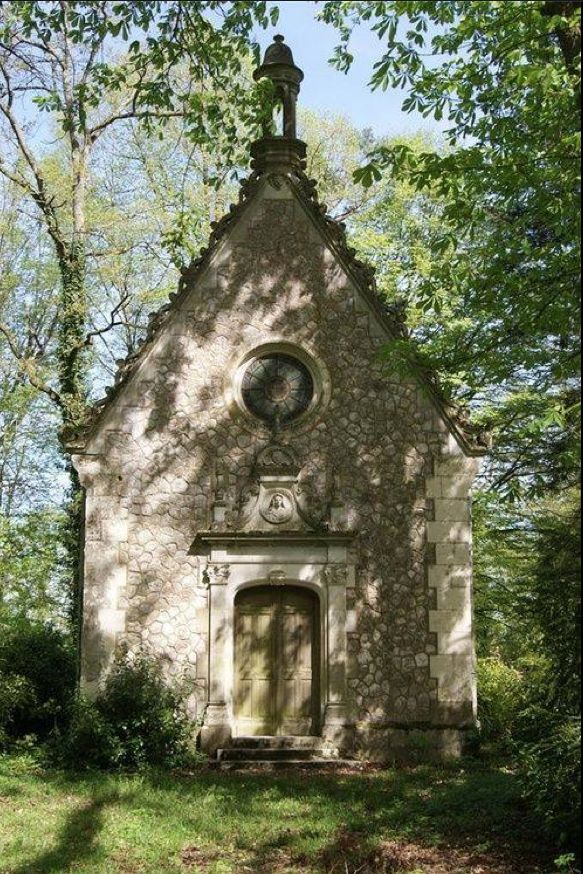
{"points": [[136, 51], [500, 301]]}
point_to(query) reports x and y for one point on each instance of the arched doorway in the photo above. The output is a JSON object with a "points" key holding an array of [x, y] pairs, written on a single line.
{"points": [[277, 658]]}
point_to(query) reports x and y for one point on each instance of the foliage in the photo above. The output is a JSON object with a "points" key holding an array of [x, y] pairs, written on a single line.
{"points": [[528, 599], [500, 298], [31, 557], [27, 310], [39, 660], [544, 743], [551, 774], [16, 695], [500, 698], [528, 605], [128, 60], [138, 719], [88, 740], [556, 599]]}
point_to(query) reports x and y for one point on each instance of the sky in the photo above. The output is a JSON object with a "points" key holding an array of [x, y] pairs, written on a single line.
{"points": [[326, 89]]}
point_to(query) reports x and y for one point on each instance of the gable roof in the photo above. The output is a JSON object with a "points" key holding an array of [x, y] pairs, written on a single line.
{"points": [[474, 441]]}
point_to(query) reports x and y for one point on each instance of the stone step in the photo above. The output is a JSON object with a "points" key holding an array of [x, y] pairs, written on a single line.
{"points": [[276, 742], [313, 764], [237, 754]]}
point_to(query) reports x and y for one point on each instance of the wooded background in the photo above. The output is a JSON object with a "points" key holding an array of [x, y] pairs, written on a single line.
{"points": [[124, 130]]}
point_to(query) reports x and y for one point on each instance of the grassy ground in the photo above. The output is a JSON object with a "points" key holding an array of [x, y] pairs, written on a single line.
{"points": [[465, 819]]}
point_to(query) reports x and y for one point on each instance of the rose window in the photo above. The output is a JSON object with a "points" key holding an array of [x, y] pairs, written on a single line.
{"points": [[277, 388]]}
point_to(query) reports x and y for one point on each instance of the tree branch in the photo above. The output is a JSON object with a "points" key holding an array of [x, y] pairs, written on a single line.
{"points": [[39, 193], [94, 132], [18, 180], [28, 369], [569, 37], [113, 323]]}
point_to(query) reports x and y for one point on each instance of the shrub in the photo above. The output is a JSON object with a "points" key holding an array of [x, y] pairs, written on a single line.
{"points": [[146, 714], [551, 773], [43, 659], [136, 720], [89, 740], [500, 699], [16, 695]]}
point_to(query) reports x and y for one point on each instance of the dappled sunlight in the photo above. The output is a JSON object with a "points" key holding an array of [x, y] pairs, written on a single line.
{"points": [[77, 841], [471, 812]]}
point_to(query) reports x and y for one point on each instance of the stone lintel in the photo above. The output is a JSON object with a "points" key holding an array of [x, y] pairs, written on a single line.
{"points": [[302, 538]]}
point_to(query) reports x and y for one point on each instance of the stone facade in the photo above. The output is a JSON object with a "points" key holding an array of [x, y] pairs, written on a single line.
{"points": [[378, 472]]}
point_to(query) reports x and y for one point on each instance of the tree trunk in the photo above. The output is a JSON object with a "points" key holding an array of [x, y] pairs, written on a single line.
{"points": [[72, 365], [569, 38]]}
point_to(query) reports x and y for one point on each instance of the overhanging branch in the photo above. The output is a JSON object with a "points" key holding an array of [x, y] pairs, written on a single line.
{"points": [[28, 368]]}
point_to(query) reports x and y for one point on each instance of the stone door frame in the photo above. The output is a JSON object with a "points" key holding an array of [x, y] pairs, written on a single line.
{"points": [[320, 563]]}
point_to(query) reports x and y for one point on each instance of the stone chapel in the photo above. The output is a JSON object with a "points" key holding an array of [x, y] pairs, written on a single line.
{"points": [[271, 510]]}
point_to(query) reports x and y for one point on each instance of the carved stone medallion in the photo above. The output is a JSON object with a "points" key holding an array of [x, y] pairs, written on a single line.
{"points": [[277, 508]]}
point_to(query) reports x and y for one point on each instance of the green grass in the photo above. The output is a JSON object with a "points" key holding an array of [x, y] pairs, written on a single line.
{"points": [[423, 819]]}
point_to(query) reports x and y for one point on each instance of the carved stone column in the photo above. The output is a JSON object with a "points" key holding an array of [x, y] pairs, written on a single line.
{"points": [[216, 730], [336, 728]]}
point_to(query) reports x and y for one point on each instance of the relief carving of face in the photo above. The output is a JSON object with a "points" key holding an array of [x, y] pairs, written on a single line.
{"points": [[279, 508]]}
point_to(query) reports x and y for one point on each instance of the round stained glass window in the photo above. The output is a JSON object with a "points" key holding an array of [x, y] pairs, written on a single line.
{"points": [[277, 388]]}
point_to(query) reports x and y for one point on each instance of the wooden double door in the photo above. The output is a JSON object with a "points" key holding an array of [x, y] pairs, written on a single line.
{"points": [[276, 661]]}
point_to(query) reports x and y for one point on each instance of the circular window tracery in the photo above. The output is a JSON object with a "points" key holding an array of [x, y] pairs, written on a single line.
{"points": [[277, 388]]}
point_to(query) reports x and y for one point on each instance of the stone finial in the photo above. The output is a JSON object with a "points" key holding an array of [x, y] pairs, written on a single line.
{"points": [[284, 151], [278, 65], [278, 53]]}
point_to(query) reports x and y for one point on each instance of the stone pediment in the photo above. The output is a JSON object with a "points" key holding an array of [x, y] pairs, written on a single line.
{"points": [[276, 502]]}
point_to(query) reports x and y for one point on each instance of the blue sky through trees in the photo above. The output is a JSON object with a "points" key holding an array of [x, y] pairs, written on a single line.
{"points": [[324, 89]]}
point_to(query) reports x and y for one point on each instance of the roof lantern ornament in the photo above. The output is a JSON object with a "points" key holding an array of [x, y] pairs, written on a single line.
{"points": [[278, 65], [284, 151]]}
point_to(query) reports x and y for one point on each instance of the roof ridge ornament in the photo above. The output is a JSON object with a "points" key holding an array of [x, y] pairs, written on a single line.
{"points": [[283, 152]]}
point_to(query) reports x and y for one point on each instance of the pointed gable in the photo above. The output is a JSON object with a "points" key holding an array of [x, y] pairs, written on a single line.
{"points": [[291, 222]]}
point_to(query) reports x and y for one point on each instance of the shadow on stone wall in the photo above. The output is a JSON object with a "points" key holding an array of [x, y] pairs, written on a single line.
{"points": [[373, 441]]}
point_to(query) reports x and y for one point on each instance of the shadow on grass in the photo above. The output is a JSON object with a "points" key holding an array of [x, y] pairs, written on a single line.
{"points": [[76, 842], [309, 821]]}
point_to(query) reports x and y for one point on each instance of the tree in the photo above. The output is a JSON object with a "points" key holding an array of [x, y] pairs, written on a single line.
{"points": [[500, 300], [74, 70], [496, 312]]}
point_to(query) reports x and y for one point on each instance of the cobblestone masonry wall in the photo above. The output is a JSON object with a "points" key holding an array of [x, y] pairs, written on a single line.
{"points": [[173, 439]]}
